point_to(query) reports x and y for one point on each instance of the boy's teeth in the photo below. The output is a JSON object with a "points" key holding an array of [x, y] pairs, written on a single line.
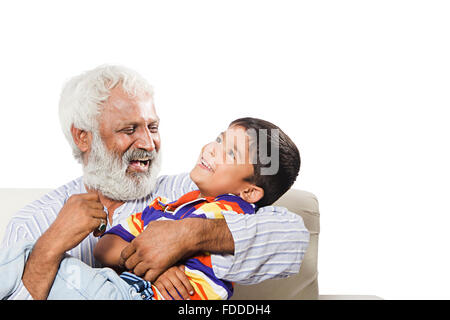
{"points": [[206, 165]]}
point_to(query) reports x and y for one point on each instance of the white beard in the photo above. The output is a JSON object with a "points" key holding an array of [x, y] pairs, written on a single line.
{"points": [[107, 172]]}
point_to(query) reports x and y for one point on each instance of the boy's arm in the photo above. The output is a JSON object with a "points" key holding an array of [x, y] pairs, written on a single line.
{"points": [[108, 249]]}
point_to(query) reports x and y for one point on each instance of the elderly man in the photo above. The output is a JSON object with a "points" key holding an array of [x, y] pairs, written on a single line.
{"points": [[109, 118]]}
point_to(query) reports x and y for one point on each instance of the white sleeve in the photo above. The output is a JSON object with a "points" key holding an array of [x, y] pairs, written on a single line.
{"points": [[174, 186], [17, 230], [268, 244]]}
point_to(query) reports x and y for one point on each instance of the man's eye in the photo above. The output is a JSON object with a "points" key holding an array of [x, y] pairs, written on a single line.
{"points": [[153, 128], [129, 130]]}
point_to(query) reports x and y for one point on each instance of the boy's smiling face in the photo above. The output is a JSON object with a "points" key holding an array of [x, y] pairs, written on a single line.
{"points": [[224, 165]]}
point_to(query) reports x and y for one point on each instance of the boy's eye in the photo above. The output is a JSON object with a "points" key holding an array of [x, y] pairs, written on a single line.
{"points": [[231, 153], [219, 139]]}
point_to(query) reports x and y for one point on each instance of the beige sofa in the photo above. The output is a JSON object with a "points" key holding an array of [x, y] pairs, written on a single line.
{"points": [[304, 285]]}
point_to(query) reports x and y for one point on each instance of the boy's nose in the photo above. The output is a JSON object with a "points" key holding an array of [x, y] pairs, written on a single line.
{"points": [[211, 148]]}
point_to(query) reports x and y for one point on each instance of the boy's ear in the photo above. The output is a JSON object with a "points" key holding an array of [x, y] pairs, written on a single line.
{"points": [[81, 138], [252, 193]]}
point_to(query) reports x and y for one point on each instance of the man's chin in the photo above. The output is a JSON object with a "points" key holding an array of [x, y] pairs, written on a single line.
{"points": [[136, 174], [119, 178], [121, 185], [132, 188]]}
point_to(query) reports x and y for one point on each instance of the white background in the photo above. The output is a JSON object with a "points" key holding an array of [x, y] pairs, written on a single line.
{"points": [[361, 86]]}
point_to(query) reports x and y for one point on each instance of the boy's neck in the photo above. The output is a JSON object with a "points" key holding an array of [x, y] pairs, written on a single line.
{"points": [[203, 195], [200, 195]]}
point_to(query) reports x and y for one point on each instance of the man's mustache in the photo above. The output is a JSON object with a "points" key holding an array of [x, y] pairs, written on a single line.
{"points": [[138, 154]]}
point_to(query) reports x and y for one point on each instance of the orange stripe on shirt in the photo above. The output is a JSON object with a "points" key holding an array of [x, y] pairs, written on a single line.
{"points": [[202, 292], [155, 293], [137, 222], [234, 205], [204, 259]]}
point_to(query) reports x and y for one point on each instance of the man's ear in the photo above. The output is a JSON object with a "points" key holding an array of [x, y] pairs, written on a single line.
{"points": [[252, 193], [81, 138]]}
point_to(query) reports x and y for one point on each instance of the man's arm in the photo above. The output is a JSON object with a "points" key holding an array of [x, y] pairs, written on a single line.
{"points": [[79, 216], [268, 244], [252, 248], [41, 267], [164, 243]]}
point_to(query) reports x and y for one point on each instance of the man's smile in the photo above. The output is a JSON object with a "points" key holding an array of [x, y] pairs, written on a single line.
{"points": [[139, 165]]}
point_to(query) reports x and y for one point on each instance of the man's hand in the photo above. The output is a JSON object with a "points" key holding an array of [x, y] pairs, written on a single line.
{"points": [[80, 215], [164, 243], [173, 284], [161, 245]]}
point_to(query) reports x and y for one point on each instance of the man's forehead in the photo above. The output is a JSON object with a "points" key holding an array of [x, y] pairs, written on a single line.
{"points": [[122, 107]]}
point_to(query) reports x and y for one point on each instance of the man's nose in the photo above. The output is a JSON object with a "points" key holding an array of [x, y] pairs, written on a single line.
{"points": [[145, 141]]}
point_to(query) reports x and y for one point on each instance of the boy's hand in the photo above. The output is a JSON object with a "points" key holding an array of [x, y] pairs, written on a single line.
{"points": [[173, 284]]}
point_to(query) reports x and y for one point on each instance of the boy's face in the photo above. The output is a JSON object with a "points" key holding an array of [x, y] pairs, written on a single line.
{"points": [[224, 164]]}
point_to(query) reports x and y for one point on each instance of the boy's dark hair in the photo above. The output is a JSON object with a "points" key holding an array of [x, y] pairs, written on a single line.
{"points": [[274, 185]]}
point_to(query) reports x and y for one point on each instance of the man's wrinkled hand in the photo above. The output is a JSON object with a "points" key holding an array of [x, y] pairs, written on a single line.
{"points": [[160, 246], [80, 215]]}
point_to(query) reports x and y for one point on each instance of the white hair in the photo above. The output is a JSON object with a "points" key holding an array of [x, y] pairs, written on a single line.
{"points": [[82, 98]]}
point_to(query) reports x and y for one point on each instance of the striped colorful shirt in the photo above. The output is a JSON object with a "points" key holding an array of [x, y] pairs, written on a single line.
{"points": [[198, 269], [268, 244]]}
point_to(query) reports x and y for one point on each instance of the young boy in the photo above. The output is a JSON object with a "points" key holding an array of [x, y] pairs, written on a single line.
{"points": [[230, 176]]}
